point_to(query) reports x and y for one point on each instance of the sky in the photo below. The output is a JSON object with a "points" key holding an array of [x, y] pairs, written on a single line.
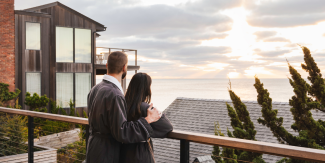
{"points": [[195, 39]]}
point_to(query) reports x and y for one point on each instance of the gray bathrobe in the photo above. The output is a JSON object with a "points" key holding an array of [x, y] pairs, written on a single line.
{"points": [[108, 124], [141, 152]]}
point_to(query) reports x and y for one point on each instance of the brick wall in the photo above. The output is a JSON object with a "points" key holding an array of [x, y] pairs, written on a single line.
{"points": [[7, 43]]}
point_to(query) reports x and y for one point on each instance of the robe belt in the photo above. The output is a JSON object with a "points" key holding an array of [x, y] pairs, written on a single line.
{"points": [[108, 136]]}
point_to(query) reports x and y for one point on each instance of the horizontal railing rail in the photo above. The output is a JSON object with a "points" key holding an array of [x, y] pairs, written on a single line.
{"points": [[302, 153]]}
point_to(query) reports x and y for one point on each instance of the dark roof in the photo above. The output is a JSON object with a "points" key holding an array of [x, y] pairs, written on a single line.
{"points": [[203, 159], [65, 7], [199, 115]]}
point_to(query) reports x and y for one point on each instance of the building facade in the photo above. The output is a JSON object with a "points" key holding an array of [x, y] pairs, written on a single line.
{"points": [[51, 50], [7, 43], [55, 53]]}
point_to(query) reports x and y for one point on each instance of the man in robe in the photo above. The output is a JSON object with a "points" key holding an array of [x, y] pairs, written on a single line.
{"points": [[108, 125]]}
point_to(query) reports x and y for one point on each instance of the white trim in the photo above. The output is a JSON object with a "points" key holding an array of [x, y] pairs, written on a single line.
{"points": [[114, 81]]}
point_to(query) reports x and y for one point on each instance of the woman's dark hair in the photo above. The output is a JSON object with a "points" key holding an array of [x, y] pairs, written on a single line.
{"points": [[138, 91]]}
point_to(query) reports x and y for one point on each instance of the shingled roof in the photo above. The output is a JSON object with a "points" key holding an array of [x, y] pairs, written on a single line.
{"points": [[199, 115]]}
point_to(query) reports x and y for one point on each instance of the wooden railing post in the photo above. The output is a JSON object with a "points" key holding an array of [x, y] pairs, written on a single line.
{"points": [[30, 139], [185, 151]]}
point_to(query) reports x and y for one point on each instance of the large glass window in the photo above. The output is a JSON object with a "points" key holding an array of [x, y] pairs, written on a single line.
{"points": [[83, 86], [82, 45], [64, 88], [33, 36], [33, 83], [64, 44]]}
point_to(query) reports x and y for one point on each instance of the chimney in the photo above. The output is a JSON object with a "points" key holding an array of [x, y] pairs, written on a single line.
{"points": [[7, 43]]}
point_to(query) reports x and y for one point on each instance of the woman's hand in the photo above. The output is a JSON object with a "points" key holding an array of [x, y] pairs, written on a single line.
{"points": [[153, 115]]}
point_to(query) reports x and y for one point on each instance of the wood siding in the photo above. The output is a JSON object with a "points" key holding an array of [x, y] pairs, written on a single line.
{"points": [[31, 60]]}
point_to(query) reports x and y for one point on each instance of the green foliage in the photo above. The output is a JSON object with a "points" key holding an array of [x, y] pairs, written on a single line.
{"points": [[53, 108], [311, 132], [36, 101], [74, 153], [226, 152], [45, 127], [13, 134], [317, 89], [6, 95], [72, 109], [17, 106], [243, 127], [269, 115]]}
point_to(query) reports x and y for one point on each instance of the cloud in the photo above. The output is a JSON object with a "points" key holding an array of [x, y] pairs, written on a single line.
{"points": [[268, 36], [276, 39], [260, 35], [288, 13], [156, 19], [271, 54], [199, 54], [149, 44], [211, 6]]}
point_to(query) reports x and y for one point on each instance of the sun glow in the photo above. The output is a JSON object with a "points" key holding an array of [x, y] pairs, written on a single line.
{"points": [[260, 71], [232, 75]]}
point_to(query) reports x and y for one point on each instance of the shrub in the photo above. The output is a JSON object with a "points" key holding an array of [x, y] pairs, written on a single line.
{"points": [[35, 101], [6, 95], [13, 135]]}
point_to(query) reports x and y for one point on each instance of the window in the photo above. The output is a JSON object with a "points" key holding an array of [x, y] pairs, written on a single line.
{"points": [[64, 44], [33, 83], [33, 36], [83, 86], [64, 89], [82, 45]]}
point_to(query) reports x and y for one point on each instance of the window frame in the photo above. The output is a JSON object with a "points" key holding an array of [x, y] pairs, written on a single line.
{"points": [[40, 82], [40, 33], [75, 85], [74, 48], [73, 51]]}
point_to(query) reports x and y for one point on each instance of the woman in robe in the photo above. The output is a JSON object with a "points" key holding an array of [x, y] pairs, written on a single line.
{"points": [[138, 97]]}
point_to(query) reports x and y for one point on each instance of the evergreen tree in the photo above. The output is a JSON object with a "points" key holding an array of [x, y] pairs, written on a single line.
{"points": [[317, 89], [311, 132], [243, 127], [226, 152], [269, 115]]}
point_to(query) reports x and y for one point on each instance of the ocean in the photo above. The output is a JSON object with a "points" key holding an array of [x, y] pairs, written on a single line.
{"points": [[165, 91]]}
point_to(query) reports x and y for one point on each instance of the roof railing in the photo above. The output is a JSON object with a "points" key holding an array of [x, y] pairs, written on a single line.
{"points": [[185, 138]]}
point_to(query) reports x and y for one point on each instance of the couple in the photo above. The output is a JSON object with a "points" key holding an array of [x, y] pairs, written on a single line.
{"points": [[121, 127]]}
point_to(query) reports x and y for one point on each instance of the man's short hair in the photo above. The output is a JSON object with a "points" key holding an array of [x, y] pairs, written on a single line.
{"points": [[116, 61]]}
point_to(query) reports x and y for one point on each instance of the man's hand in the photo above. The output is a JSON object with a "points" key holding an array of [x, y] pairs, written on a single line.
{"points": [[153, 115]]}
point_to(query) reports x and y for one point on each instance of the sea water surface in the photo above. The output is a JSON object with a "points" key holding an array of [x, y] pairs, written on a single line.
{"points": [[165, 91]]}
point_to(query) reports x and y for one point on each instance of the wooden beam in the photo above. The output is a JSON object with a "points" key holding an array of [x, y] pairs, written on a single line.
{"points": [[308, 154], [303, 153], [55, 117]]}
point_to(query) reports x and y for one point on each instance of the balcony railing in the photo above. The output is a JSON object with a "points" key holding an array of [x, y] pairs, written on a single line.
{"points": [[103, 52], [308, 154]]}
